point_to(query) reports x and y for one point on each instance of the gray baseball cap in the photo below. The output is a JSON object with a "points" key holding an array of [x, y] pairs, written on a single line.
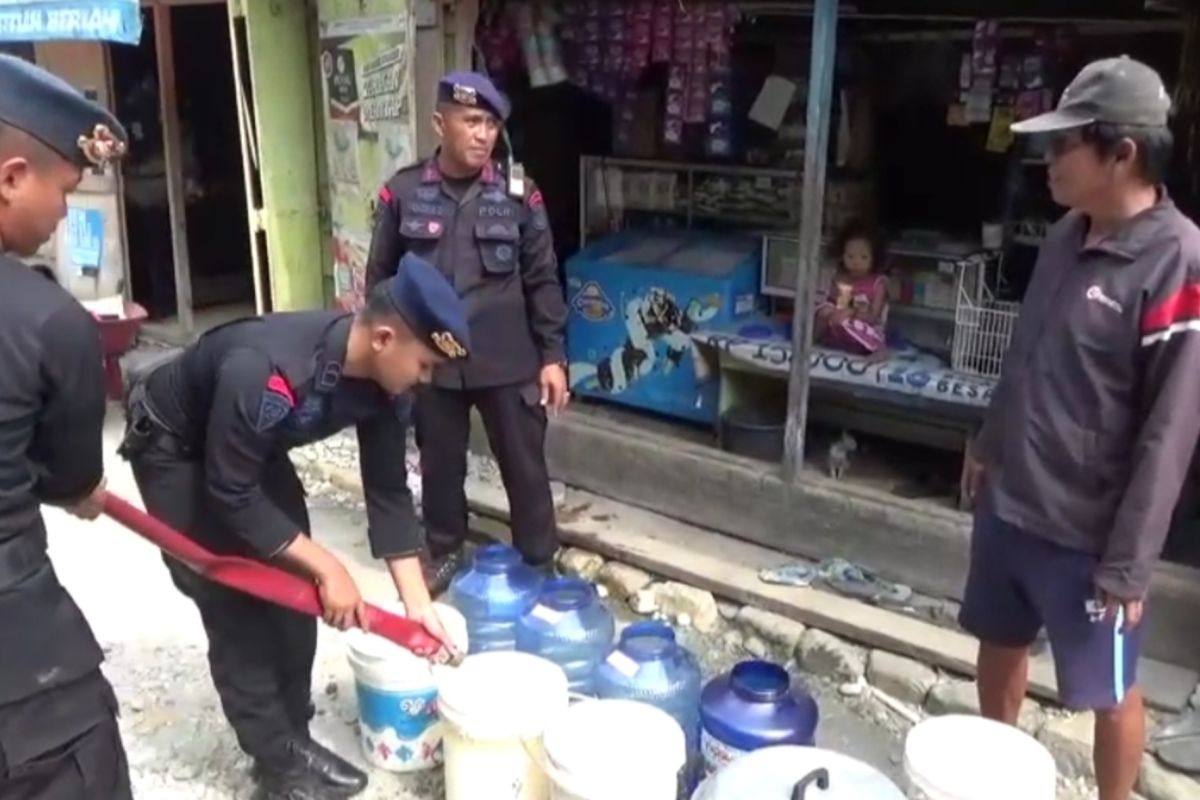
{"points": [[1117, 91]]}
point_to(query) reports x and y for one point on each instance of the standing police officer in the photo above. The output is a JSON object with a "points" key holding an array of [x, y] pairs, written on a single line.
{"points": [[58, 730], [489, 234], [208, 436]]}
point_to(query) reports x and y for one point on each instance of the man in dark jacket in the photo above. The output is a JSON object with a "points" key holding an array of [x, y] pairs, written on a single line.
{"points": [[58, 728], [489, 234], [1089, 435]]}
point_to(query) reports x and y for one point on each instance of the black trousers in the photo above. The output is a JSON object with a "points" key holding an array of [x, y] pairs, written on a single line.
{"points": [[516, 429], [260, 655], [86, 760]]}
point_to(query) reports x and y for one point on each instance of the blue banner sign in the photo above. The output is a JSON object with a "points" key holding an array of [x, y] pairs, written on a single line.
{"points": [[94, 20]]}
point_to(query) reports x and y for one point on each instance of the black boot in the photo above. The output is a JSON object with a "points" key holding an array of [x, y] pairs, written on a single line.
{"points": [[440, 570], [306, 765], [278, 786], [334, 771]]}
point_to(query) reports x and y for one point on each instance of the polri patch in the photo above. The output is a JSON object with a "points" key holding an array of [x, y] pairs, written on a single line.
{"points": [[275, 404], [273, 408]]}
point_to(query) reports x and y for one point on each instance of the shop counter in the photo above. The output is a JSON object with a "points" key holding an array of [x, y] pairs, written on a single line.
{"points": [[907, 395]]}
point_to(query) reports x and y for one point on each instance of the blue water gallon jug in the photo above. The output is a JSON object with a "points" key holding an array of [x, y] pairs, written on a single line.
{"points": [[493, 593], [649, 665], [569, 626], [752, 706]]}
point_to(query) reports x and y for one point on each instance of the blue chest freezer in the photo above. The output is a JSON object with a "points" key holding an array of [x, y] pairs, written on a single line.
{"points": [[636, 298]]}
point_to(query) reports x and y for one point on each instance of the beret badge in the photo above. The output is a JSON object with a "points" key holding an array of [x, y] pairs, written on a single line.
{"points": [[465, 95], [450, 347], [101, 147]]}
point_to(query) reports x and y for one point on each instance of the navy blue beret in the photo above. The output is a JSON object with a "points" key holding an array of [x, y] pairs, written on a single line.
{"points": [[52, 111], [474, 91], [430, 307]]}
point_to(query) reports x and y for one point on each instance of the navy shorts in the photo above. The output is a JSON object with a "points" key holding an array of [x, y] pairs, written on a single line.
{"points": [[1019, 583]]}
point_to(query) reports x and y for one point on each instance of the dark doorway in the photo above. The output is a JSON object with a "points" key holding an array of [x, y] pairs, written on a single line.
{"points": [[214, 189]]}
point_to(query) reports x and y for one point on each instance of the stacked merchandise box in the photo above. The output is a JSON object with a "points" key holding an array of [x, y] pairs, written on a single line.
{"points": [[635, 299]]}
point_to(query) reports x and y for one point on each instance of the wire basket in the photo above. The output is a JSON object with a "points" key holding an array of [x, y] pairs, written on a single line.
{"points": [[983, 329]]}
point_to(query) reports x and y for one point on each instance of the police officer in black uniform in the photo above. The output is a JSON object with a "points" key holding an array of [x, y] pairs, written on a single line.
{"points": [[488, 232], [58, 729], [208, 436]]}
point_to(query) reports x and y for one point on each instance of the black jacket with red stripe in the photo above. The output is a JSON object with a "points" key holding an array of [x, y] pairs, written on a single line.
{"points": [[498, 252], [1092, 428], [245, 393]]}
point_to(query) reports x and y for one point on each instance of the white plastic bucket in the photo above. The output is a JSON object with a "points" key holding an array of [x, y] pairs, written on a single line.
{"points": [[773, 773], [614, 750], [959, 757], [495, 707], [397, 697]]}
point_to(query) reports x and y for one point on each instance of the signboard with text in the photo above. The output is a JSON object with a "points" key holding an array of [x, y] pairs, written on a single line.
{"points": [[93, 20]]}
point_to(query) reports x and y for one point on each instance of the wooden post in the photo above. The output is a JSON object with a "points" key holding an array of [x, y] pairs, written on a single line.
{"points": [[164, 49], [812, 207]]}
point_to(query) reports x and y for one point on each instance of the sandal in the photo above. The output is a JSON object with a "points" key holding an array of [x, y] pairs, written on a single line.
{"points": [[796, 574], [852, 580]]}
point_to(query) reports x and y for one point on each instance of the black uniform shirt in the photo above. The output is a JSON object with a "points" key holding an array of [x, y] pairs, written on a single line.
{"points": [[51, 431], [498, 252], [249, 391]]}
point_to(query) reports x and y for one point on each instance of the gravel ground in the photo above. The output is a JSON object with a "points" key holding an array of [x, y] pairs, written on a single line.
{"points": [[179, 745]]}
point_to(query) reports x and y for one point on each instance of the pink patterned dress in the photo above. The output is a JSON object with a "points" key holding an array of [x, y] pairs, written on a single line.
{"points": [[853, 316]]}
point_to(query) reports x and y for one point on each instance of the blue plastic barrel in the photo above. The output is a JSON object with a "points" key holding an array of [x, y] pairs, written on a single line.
{"points": [[754, 705], [571, 627], [493, 593]]}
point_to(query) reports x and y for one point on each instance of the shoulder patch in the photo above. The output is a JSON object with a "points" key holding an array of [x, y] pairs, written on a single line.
{"points": [[385, 194], [275, 403], [272, 409], [536, 200]]}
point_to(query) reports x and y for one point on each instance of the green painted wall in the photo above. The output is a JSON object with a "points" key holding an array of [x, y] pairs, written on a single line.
{"points": [[281, 55]]}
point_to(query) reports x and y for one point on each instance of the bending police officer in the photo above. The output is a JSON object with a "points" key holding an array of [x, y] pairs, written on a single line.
{"points": [[489, 234], [58, 731], [208, 436]]}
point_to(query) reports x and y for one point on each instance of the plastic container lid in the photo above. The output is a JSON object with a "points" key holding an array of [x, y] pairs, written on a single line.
{"points": [[773, 773], [501, 695], [567, 594], [594, 737], [647, 640], [496, 558], [959, 757]]}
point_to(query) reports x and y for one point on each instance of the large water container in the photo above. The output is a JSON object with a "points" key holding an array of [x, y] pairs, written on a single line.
{"points": [[961, 757], [791, 772], [753, 706], [495, 591], [569, 626], [649, 665]]}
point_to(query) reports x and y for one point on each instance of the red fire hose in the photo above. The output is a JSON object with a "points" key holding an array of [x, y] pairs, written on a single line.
{"points": [[262, 580]]}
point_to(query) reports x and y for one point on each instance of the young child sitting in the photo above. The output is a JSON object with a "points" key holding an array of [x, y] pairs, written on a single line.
{"points": [[853, 317]]}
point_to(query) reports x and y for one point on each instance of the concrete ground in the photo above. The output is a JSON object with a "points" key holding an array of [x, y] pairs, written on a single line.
{"points": [[179, 744]]}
